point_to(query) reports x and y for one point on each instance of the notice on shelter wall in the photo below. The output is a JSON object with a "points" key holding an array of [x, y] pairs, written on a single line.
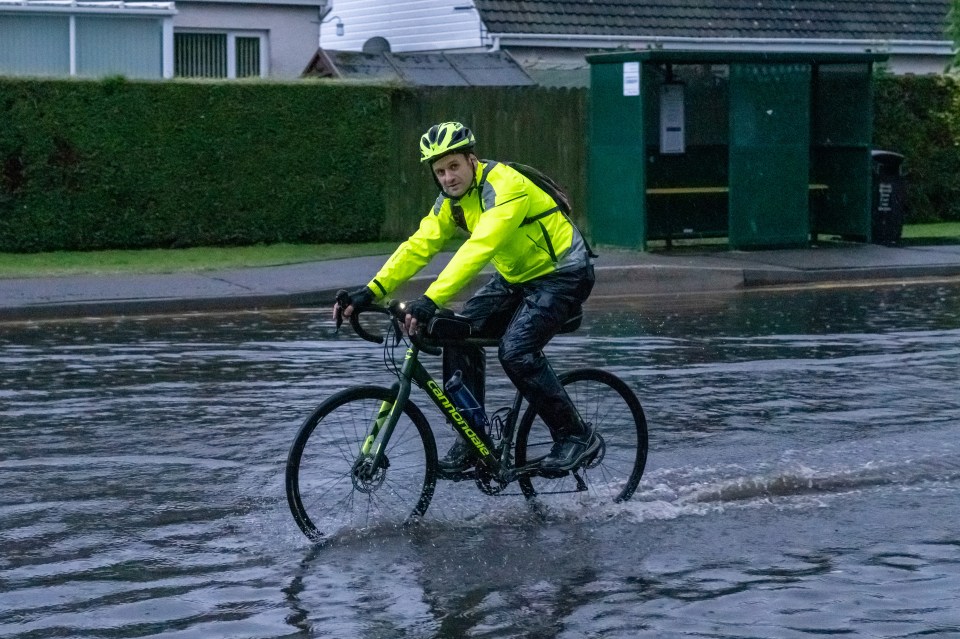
{"points": [[631, 78], [672, 119]]}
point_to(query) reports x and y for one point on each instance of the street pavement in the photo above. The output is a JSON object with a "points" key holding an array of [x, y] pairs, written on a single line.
{"points": [[619, 273]]}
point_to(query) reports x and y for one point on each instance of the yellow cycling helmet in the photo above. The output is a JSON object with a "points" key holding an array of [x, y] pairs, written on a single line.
{"points": [[445, 138]]}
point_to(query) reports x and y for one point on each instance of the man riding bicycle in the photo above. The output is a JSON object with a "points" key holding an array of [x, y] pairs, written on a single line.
{"points": [[544, 273]]}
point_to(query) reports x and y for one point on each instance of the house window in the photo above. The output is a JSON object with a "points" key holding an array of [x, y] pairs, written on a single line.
{"points": [[248, 57], [88, 39], [218, 55]]}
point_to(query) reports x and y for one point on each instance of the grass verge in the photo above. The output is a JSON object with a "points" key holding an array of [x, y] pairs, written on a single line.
{"points": [[940, 230], [224, 258], [178, 260]]}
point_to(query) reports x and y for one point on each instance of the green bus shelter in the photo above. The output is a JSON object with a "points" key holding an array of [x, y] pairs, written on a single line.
{"points": [[765, 149]]}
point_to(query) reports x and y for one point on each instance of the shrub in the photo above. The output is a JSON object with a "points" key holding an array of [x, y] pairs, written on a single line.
{"points": [[919, 116], [116, 164]]}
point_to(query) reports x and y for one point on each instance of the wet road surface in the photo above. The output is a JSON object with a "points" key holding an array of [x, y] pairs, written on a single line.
{"points": [[802, 481]]}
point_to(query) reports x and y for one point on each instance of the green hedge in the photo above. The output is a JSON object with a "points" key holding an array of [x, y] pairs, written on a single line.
{"points": [[116, 164], [919, 116]]}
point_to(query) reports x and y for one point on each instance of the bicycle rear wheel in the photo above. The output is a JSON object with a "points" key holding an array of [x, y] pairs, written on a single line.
{"points": [[331, 487], [607, 403]]}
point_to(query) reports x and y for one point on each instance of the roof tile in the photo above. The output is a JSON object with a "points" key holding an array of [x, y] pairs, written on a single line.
{"points": [[813, 19]]}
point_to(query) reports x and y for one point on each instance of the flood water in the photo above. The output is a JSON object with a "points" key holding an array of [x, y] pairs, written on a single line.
{"points": [[803, 480]]}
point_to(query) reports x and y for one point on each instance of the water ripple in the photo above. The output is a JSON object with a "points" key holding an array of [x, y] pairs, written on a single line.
{"points": [[802, 481]]}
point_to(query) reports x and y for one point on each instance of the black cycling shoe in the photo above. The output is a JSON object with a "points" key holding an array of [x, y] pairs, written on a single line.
{"points": [[459, 458], [569, 452]]}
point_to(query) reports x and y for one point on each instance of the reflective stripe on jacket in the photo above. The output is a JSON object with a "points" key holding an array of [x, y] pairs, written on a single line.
{"points": [[511, 222]]}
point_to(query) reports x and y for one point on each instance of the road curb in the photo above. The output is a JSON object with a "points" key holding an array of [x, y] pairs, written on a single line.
{"points": [[612, 281], [758, 278]]}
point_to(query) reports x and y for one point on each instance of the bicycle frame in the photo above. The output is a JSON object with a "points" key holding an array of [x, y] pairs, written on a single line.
{"points": [[413, 372]]}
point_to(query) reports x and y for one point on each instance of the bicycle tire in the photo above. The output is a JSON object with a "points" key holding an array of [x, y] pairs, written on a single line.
{"points": [[327, 498], [605, 401]]}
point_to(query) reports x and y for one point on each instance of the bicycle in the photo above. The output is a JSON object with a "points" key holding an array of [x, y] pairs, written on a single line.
{"points": [[367, 455]]}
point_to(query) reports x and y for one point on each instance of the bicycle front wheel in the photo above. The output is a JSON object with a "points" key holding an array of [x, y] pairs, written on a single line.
{"points": [[607, 403], [333, 488]]}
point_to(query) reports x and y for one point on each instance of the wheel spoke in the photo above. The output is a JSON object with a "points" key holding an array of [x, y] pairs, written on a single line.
{"points": [[610, 407], [331, 490]]}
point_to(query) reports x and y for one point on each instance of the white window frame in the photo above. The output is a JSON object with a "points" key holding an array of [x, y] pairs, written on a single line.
{"points": [[161, 9], [232, 35]]}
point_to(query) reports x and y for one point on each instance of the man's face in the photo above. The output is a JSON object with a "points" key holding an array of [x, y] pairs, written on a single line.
{"points": [[455, 172]]}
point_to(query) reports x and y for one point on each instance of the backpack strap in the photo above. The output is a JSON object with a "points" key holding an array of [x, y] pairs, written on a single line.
{"points": [[544, 183], [539, 216], [490, 164], [487, 169]]}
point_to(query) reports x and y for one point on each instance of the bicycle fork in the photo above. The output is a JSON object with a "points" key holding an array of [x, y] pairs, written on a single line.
{"points": [[372, 457]]}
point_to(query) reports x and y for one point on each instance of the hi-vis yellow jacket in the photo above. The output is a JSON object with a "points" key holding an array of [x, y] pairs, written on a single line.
{"points": [[511, 222]]}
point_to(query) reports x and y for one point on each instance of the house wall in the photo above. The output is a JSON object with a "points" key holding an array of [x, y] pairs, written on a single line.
{"points": [[408, 25], [292, 31], [917, 64]]}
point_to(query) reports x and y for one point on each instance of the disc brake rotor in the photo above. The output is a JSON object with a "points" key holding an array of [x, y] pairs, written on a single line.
{"points": [[366, 478]]}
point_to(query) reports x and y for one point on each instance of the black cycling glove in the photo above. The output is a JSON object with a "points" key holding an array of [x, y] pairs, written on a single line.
{"points": [[362, 297], [421, 308]]}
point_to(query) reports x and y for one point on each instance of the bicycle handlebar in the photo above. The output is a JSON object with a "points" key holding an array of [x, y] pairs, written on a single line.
{"points": [[396, 312], [396, 308]]}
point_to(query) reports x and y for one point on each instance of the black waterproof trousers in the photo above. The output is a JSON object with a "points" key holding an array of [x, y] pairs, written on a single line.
{"points": [[525, 317]]}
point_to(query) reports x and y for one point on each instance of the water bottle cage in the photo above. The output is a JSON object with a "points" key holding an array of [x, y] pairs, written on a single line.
{"points": [[497, 422]]}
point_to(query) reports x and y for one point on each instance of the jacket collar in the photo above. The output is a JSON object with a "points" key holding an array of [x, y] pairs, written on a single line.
{"points": [[477, 176]]}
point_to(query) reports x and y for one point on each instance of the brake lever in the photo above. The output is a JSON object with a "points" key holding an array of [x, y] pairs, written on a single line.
{"points": [[342, 301], [396, 309]]}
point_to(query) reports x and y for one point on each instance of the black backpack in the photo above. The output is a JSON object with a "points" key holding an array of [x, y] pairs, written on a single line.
{"points": [[545, 183], [549, 186]]}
